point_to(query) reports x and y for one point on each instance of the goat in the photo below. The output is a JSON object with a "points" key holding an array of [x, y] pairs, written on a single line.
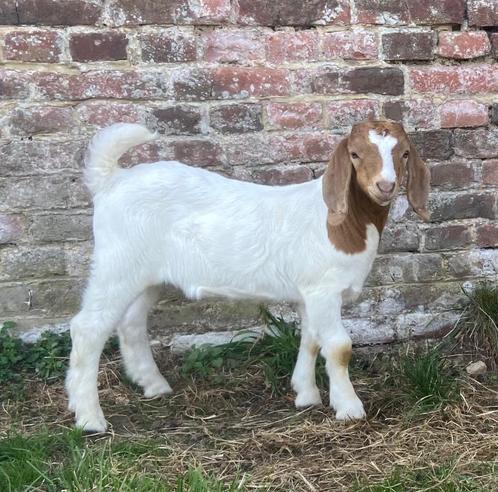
{"points": [[311, 244]]}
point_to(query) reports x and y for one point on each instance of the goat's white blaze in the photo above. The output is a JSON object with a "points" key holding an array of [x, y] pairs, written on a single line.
{"points": [[385, 144]]}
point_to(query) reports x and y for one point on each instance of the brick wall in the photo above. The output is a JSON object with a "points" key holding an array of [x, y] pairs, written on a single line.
{"points": [[258, 90]]}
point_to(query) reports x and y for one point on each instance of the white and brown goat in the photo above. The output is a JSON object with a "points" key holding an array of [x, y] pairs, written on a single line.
{"points": [[311, 244]]}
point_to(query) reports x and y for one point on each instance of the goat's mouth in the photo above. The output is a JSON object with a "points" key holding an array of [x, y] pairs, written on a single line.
{"points": [[382, 199]]}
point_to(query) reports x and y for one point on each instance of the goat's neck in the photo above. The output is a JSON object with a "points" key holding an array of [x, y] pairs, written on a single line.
{"points": [[350, 236]]}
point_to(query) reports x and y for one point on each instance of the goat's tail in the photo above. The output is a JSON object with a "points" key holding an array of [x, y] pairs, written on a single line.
{"points": [[106, 147]]}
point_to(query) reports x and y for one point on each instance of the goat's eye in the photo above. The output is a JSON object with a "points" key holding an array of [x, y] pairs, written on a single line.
{"points": [[354, 155], [406, 154]]}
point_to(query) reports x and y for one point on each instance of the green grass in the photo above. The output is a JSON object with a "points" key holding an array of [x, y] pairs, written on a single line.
{"points": [[478, 327], [441, 478], [426, 378], [275, 351], [46, 359], [66, 461]]}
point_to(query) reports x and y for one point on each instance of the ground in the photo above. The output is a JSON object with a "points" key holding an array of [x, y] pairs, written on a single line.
{"points": [[231, 425]]}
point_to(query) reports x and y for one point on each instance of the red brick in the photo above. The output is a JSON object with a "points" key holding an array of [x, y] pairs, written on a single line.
{"points": [[487, 236], [282, 176], [236, 118], [490, 172], [482, 12], [59, 12], [462, 206], [176, 120], [408, 45], [435, 144], [463, 113], [151, 152], [350, 45], [452, 175], [8, 13], [192, 84], [250, 82], [33, 46], [100, 84], [290, 46], [346, 113], [234, 45], [201, 153], [391, 12], [310, 147], [447, 237], [377, 80], [104, 113], [42, 119], [209, 11], [133, 13], [97, 46], [463, 45], [289, 116], [413, 113], [270, 148], [476, 143], [324, 81], [14, 84], [169, 46], [293, 12], [494, 43], [463, 79], [11, 228]]}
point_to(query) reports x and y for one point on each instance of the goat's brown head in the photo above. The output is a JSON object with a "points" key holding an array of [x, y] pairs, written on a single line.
{"points": [[376, 154]]}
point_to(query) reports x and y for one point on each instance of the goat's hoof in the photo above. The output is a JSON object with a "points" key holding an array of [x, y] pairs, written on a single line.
{"points": [[351, 411], [157, 388], [94, 424], [308, 398]]}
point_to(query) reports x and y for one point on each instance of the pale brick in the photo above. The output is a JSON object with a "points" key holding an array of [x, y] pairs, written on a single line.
{"points": [[346, 113], [289, 116], [290, 46], [234, 45], [464, 44], [11, 228], [463, 113], [350, 45]]}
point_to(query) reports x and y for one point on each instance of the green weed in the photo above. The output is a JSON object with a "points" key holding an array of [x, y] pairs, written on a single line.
{"points": [[276, 351], [426, 378], [478, 326]]}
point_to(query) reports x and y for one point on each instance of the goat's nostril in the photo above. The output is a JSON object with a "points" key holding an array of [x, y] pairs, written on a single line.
{"points": [[385, 186]]}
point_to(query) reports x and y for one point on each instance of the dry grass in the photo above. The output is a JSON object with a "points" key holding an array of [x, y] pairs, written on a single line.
{"points": [[234, 428]]}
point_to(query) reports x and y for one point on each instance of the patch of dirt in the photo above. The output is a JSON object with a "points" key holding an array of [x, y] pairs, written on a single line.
{"points": [[232, 425]]}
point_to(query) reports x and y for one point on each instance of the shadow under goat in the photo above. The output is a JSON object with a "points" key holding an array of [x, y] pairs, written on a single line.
{"points": [[312, 244]]}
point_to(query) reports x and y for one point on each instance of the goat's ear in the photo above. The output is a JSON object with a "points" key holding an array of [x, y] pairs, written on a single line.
{"points": [[419, 178], [335, 186]]}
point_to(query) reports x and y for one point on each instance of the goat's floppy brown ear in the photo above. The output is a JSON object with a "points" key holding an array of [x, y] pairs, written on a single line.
{"points": [[419, 178], [335, 186]]}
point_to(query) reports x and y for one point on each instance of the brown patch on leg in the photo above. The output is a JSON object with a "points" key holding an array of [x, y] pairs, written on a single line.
{"points": [[341, 354]]}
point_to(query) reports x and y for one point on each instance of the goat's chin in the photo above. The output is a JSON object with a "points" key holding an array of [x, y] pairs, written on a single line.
{"points": [[381, 200]]}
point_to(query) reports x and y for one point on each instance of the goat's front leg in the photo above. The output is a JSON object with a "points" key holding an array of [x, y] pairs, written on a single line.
{"points": [[324, 318], [303, 377]]}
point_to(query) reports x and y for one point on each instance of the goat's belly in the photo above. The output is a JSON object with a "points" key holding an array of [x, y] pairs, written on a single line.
{"points": [[261, 294]]}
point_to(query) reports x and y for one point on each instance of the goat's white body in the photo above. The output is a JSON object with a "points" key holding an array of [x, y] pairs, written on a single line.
{"points": [[213, 236], [209, 236]]}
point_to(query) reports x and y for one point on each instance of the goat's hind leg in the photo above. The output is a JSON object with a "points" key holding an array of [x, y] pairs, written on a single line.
{"points": [[135, 348], [104, 303]]}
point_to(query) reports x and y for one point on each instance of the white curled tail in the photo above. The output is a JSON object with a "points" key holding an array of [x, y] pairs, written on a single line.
{"points": [[106, 147]]}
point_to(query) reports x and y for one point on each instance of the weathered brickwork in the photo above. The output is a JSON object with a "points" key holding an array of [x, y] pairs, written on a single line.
{"points": [[259, 90]]}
